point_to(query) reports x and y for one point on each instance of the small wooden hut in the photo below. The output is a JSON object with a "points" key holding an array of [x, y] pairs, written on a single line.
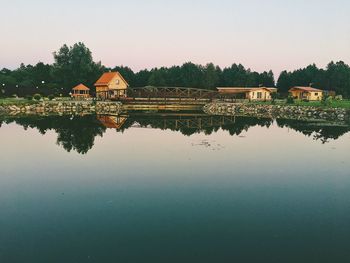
{"points": [[81, 92]]}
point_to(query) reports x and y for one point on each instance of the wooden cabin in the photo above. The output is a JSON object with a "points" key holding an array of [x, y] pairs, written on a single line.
{"points": [[253, 94], [306, 93], [111, 85], [80, 92]]}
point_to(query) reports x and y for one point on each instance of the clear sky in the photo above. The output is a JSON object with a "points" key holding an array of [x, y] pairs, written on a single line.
{"points": [[262, 35]]}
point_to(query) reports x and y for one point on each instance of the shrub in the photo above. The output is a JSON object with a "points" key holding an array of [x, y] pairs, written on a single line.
{"points": [[274, 96], [339, 97], [327, 101], [51, 97], [28, 97], [290, 100], [37, 96]]}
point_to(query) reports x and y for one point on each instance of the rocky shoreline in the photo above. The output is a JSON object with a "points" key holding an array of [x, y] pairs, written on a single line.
{"points": [[215, 108], [278, 111], [61, 108]]}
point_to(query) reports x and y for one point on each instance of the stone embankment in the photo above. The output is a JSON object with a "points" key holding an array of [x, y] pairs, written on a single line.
{"points": [[277, 111], [61, 108]]}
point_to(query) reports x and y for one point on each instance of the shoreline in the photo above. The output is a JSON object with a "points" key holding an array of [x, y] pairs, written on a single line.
{"points": [[71, 107], [278, 111]]}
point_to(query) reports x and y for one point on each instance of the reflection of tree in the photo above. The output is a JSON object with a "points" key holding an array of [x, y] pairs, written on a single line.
{"points": [[244, 123], [202, 124], [169, 123], [77, 133], [320, 131], [80, 135]]}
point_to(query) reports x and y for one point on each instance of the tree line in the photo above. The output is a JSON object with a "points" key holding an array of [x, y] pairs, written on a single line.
{"points": [[336, 77], [74, 64]]}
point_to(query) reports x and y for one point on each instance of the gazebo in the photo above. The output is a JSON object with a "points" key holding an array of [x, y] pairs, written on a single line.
{"points": [[81, 92]]}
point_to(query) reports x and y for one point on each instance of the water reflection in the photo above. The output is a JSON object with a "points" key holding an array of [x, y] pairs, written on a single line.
{"points": [[318, 131], [78, 133], [73, 133]]}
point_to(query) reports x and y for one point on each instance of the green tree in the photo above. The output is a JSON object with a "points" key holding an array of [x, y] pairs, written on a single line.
{"points": [[338, 76], [74, 65], [210, 77], [157, 78], [127, 74]]}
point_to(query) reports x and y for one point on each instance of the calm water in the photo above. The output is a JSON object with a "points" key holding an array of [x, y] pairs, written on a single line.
{"points": [[190, 188]]}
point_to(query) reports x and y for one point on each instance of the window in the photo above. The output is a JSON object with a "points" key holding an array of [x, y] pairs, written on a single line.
{"points": [[117, 82], [316, 94], [259, 95]]}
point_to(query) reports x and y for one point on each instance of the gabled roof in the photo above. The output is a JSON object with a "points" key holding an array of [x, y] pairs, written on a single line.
{"points": [[307, 89], [243, 89], [81, 87], [107, 77]]}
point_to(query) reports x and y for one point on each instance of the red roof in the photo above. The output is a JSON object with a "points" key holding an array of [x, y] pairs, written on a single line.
{"points": [[308, 89], [107, 77], [81, 87]]}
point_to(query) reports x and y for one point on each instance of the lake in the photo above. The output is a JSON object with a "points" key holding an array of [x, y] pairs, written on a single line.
{"points": [[173, 187]]}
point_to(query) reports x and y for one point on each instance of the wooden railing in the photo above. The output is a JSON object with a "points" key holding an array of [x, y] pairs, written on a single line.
{"points": [[170, 92]]}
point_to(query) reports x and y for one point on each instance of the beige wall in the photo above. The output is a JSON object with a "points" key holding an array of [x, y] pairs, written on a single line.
{"points": [[299, 94], [261, 94], [117, 83], [118, 86]]}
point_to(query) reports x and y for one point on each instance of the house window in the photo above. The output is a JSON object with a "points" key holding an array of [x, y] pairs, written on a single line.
{"points": [[316, 94], [117, 82], [259, 95]]}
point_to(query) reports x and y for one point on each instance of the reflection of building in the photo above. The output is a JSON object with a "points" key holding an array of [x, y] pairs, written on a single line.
{"points": [[80, 92], [111, 85], [112, 122], [306, 93], [257, 94]]}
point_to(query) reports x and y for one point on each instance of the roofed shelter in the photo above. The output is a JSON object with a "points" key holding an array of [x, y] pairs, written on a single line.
{"points": [[306, 93], [81, 92], [111, 85], [253, 93]]}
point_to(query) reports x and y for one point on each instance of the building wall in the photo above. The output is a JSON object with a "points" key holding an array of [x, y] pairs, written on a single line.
{"points": [[260, 95], [315, 96], [306, 95], [117, 87], [117, 83]]}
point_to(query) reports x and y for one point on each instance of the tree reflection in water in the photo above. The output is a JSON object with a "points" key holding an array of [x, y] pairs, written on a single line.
{"points": [[78, 132], [73, 133], [318, 130]]}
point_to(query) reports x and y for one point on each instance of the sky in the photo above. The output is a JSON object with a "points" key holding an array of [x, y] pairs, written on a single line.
{"points": [[262, 35]]}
